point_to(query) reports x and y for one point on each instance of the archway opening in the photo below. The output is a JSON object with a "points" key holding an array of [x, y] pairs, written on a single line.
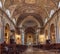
{"points": [[52, 34], [28, 28], [30, 36], [7, 34]]}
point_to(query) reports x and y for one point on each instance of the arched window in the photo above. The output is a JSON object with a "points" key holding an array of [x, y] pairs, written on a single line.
{"points": [[51, 13], [46, 20], [8, 13], [0, 4], [14, 20], [59, 5]]}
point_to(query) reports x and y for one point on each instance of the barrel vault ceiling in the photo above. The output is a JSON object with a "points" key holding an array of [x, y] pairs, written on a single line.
{"points": [[39, 7]]}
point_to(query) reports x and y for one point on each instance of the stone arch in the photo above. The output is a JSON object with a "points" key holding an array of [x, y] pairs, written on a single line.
{"points": [[32, 19], [4, 15], [24, 15]]}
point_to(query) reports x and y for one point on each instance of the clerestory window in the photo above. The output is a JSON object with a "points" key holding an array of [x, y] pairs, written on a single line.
{"points": [[0, 4]]}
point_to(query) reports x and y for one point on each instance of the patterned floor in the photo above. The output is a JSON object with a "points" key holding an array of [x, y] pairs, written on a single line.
{"points": [[31, 50]]}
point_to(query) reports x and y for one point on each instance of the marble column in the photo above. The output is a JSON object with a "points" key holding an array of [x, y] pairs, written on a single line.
{"points": [[49, 31], [0, 34], [56, 27], [37, 35], [22, 35], [1, 31], [58, 37], [57, 34], [56, 24]]}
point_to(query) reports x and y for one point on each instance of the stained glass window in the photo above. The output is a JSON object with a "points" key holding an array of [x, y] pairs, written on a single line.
{"points": [[51, 13], [8, 13]]}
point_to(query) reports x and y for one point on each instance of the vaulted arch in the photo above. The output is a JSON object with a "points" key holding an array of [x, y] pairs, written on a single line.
{"points": [[30, 19], [24, 15], [4, 15]]}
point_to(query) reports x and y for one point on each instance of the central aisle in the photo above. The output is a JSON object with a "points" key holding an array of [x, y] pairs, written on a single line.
{"points": [[31, 50]]}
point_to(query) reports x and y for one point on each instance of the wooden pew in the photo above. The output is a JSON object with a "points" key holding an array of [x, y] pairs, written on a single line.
{"points": [[0, 48], [48, 46], [21, 48]]}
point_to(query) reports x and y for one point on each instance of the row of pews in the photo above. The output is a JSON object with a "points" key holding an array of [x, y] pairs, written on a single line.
{"points": [[19, 49], [48, 46], [12, 49]]}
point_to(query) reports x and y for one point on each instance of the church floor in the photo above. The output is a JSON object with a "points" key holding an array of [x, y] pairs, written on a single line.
{"points": [[31, 50]]}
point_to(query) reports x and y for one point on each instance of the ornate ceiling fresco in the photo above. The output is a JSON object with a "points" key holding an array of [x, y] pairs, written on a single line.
{"points": [[40, 7], [30, 1]]}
